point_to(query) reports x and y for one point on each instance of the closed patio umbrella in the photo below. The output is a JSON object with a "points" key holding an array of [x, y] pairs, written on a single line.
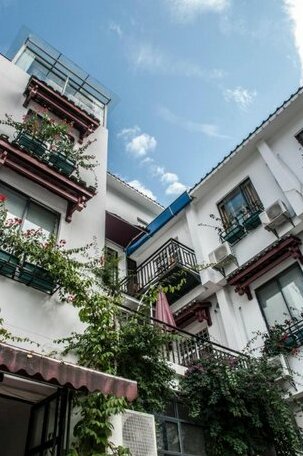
{"points": [[163, 311]]}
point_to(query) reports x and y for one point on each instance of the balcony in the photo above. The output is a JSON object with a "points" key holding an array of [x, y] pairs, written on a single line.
{"points": [[172, 264], [50, 173], [65, 108], [246, 221], [22, 271], [186, 347]]}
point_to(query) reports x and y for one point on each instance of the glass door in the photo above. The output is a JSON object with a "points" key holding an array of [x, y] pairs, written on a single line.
{"points": [[49, 420]]}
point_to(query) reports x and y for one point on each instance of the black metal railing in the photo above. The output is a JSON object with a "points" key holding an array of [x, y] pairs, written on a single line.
{"points": [[247, 220], [186, 348], [169, 256], [295, 335]]}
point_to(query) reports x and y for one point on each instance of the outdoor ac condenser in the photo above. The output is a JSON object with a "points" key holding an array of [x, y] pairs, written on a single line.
{"points": [[221, 256], [136, 431], [280, 362], [275, 215]]}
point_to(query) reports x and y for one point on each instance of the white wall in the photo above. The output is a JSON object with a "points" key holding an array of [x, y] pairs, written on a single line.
{"points": [[28, 312]]}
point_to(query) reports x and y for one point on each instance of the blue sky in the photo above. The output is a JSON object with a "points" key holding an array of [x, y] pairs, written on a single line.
{"points": [[193, 77]]}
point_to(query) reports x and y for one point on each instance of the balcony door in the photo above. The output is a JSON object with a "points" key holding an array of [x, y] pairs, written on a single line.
{"points": [[48, 426]]}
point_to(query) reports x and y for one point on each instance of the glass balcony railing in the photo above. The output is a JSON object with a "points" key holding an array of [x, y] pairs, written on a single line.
{"points": [[42, 61]]}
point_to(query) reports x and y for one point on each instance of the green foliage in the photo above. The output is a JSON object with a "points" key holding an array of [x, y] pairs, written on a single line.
{"points": [[140, 357], [241, 408], [56, 138], [278, 341], [93, 430]]}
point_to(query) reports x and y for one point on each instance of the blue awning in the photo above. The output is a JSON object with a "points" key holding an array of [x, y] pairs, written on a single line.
{"points": [[162, 219]]}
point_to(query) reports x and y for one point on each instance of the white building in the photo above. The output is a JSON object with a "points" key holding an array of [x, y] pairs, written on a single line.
{"points": [[44, 195], [235, 284], [250, 260]]}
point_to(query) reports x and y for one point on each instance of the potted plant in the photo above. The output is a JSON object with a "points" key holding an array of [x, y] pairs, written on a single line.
{"points": [[37, 277], [233, 232], [8, 263], [31, 144], [251, 218], [52, 142]]}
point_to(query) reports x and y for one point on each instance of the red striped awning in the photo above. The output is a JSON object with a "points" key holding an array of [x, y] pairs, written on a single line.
{"points": [[33, 365]]}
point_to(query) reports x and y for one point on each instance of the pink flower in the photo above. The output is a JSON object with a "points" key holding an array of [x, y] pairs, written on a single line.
{"points": [[2, 198]]}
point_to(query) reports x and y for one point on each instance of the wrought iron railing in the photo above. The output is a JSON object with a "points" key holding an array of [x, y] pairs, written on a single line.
{"points": [[158, 265], [247, 220], [186, 348], [295, 334]]}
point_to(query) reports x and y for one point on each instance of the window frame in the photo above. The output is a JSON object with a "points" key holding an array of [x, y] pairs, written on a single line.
{"points": [[234, 191], [28, 201], [162, 418], [275, 279], [299, 136]]}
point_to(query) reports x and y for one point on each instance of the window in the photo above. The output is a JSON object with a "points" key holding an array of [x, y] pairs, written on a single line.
{"points": [[299, 137], [177, 435], [241, 202], [111, 257], [32, 214], [281, 298]]}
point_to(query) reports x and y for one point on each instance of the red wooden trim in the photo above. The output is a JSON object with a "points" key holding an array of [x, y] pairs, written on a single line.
{"points": [[43, 94], [279, 252], [32, 168], [198, 311]]}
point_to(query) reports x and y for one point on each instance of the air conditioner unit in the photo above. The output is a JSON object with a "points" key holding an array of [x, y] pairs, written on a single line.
{"points": [[275, 215], [281, 363], [135, 431], [221, 256]]}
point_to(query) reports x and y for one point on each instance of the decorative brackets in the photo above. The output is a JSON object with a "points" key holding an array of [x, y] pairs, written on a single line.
{"points": [[195, 311], [75, 193], [60, 105], [266, 260]]}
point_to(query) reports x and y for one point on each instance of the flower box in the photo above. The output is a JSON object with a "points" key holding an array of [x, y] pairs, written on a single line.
{"points": [[36, 277], [233, 234], [64, 164], [35, 146], [8, 264], [252, 221]]}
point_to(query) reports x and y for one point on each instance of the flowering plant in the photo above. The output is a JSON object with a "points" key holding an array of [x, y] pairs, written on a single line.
{"points": [[55, 136], [280, 340], [240, 407]]}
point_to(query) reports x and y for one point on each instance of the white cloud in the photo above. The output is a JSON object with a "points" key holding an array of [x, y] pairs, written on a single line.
{"points": [[187, 10], [169, 178], [142, 144], [294, 9], [137, 143], [148, 58], [141, 188], [207, 129], [176, 188], [242, 97], [129, 132], [147, 161], [115, 28]]}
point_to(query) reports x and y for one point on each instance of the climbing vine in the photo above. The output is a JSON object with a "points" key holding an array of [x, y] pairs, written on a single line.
{"points": [[110, 342], [241, 408]]}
